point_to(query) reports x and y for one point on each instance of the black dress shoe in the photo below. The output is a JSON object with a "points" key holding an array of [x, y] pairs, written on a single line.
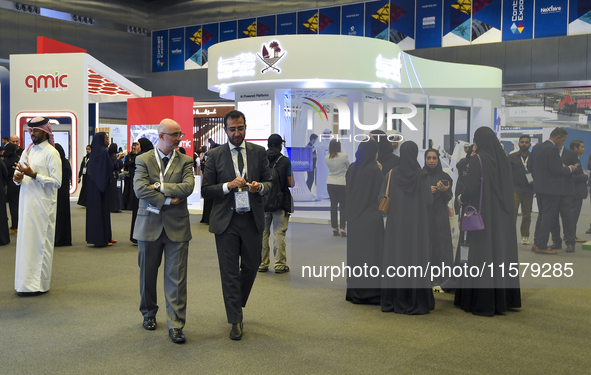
{"points": [[236, 332], [570, 248], [176, 335], [556, 246], [150, 323], [30, 294]]}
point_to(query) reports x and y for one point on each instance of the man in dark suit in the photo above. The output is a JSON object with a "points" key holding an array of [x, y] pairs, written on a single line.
{"points": [[548, 173], [163, 180], [523, 189], [565, 203], [236, 177], [580, 180]]}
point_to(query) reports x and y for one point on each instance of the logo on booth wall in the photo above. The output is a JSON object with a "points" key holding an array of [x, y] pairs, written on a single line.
{"points": [[567, 100], [271, 59], [47, 82]]}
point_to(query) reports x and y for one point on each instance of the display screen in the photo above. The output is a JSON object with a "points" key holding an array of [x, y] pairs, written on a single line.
{"points": [[61, 137], [301, 158]]}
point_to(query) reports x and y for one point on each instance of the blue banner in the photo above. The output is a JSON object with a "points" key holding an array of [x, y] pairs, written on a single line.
{"points": [[209, 37], [377, 19], [352, 19], [551, 18], [193, 47], [457, 22], [402, 20], [177, 49], [247, 28], [308, 22], [160, 51], [429, 20], [266, 26], [486, 21], [329, 21], [518, 20], [228, 30], [286, 24]]}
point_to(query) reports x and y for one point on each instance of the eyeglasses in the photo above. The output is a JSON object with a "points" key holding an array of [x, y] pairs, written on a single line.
{"points": [[176, 135]]}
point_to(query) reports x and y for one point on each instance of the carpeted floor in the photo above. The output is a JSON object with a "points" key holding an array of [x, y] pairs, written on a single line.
{"points": [[89, 322]]}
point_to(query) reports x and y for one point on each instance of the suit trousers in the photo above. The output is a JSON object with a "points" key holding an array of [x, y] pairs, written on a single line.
{"points": [[280, 220], [564, 211], [175, 278], [337, 195], [526, 202], [577, 204], [547, 206], [239, 254]]}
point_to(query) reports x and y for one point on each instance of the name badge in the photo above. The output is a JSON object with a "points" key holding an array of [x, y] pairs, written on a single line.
{"points": [[464, 250], [242, 201], [84, 170], [530, 179], [118, 183], [152, 209]]}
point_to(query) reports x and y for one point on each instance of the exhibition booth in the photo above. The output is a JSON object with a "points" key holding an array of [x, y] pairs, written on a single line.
{"points": [[66, 88], [342, 87]]}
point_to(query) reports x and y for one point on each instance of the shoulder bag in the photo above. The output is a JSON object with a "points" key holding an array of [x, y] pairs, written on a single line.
{"points": [[385, 201]]}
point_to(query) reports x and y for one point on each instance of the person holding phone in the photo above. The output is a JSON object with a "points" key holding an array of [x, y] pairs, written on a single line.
{"points": [[441, 248]]}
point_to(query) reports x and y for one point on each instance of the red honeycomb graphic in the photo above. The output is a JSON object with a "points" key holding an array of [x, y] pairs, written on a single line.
{"points": [[99, 85]]}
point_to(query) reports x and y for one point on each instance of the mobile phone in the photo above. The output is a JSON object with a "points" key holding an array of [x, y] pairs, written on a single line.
{"points": [[445, 182]]}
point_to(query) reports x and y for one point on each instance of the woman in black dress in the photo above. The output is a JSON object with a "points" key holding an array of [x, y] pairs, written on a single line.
{"points": [[82, 177], [365, 240], [12, 189], [63, 221], [496, 244], [100, 172], [441, 246]]}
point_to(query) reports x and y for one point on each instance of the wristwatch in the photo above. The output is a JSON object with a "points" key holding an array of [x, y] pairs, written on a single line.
{"points": [[157, 186]]}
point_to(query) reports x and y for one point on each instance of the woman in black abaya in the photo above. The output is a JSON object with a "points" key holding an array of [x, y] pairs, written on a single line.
{"points": [[406, 242], [63, 221], [497, 242], [115, 195], [462, 168], [100, 171], [365, 241], [439, 229], [386, 155], [82, 177], [4, 233], [144, 145], [12, 189]]}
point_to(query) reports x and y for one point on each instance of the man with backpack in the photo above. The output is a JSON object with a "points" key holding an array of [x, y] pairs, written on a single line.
{"points": [[278, 205]]}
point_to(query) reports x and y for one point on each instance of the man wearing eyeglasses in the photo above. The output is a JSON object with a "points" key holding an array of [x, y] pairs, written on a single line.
{"points": [[236, 177], [162, 182]]}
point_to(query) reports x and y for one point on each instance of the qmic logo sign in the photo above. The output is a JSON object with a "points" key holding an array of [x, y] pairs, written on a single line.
{"points": [[47, 82], [345, 114]]}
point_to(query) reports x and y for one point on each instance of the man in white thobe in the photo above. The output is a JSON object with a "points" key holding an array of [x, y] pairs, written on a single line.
{"points": [[39, 173]]}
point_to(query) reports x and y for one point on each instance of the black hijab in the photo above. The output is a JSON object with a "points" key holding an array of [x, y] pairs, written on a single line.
{"points": [[364, 180], [435, 174], [496, 167], [408, 174], [385, 149], [112, 150], [9, 150], [145, 145], [100, 166]]}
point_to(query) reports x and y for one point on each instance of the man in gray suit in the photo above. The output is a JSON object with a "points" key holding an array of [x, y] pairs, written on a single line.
{"points": [[162, 182], [236, 177]]}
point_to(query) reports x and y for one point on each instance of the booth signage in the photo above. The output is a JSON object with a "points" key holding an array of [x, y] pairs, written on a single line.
{"points": [[238, 66], [389, 69], [43, 82], [271, 59]]}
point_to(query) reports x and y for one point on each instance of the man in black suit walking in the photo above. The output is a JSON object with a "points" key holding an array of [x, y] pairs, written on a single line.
{"points": [[580, 179], [236, 177], [548, 173]]}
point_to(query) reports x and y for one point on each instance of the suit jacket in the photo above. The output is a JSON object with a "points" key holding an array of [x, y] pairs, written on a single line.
{"points": [[547, 170], [578, 176], [569, 157], [520, 184], [179, 182], [219, 169]]}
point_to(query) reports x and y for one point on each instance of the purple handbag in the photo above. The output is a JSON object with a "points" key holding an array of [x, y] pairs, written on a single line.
{"points": [[471, 219]]}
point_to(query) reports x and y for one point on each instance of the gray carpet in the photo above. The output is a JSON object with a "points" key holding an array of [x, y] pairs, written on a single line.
{"points": [[89, 322]]}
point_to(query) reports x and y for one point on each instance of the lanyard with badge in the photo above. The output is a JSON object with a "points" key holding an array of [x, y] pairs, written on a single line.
{"points": [[242, 201], [157, 157], [528, 175]]}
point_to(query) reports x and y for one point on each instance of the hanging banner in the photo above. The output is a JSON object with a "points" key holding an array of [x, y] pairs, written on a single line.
{"points": [[486, 21], [402, 23], [193, 47], [228, 30], [457, 23], [209, 37], [329, 21], [247, 28], [352, 19], [286, 24], [266, 26], [579, 19], [518, 20], [551, 18], [177, 49], [308, 22], [429, 19], [160, 51], [377, 19]]}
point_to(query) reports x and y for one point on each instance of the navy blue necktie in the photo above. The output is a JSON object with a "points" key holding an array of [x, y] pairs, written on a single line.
{"points": [[165, 161], [240, 160]]}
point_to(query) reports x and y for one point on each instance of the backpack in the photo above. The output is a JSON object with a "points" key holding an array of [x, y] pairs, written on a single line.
{"points": [[274, 197]]}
